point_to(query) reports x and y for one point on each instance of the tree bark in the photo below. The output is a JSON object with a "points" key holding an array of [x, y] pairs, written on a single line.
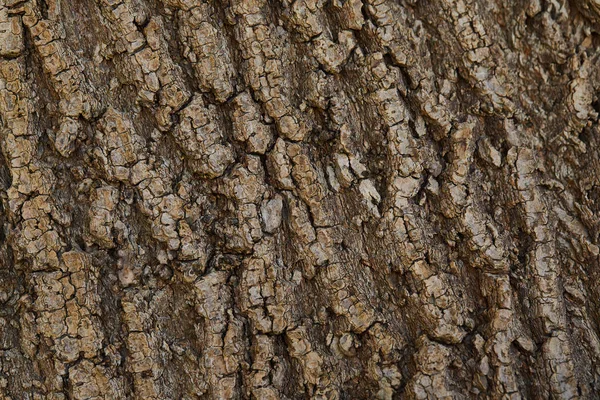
{"points": [[325, 199]]}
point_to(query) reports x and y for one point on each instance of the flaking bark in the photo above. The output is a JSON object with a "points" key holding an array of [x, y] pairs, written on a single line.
{"points": [[328, 199]]}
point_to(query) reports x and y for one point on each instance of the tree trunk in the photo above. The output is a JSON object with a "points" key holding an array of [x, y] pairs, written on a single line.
{"points": [[328, 199]]}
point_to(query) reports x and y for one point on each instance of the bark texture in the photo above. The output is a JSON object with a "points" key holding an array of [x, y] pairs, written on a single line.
{"points": [[292, 199]]}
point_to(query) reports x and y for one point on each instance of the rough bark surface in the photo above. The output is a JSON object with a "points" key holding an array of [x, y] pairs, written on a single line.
{"points": [[291, 199]]}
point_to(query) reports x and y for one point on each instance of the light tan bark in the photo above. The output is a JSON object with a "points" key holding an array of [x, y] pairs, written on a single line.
{"points": [[328, 199]]}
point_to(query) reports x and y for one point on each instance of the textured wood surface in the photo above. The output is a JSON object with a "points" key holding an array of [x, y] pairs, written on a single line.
{"points": [[277, 199]]}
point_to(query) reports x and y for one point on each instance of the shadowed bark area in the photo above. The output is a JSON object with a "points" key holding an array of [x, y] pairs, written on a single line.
{"points": [[293, 199]]}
